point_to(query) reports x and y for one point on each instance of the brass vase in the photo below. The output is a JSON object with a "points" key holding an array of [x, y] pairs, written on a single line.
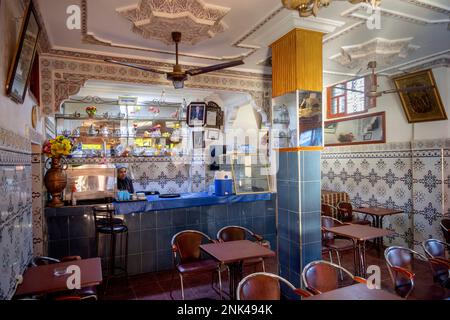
{"points": [[56, 181]]}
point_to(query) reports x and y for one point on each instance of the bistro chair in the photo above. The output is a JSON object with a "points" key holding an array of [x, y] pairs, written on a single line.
{"points": [[445, 226], [329, 210], [265, 286], [334, 244], [322, 276], [87, 293], [187, 258], [236, 233], [345, 214], [402, 266], [437, 253]]}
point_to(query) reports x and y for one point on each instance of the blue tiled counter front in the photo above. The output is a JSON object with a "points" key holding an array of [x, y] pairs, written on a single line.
{"points": [[187, 200], [152, 224]]}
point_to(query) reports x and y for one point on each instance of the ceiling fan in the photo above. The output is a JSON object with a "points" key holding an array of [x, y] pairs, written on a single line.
{"points": [[178, 76], [373, 85]]}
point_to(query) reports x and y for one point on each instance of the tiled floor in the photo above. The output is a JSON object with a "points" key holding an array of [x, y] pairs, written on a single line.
{"points": [[156, 286]]}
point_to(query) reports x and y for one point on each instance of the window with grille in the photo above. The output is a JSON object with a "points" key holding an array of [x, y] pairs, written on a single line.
{"points": [[348, 98]]}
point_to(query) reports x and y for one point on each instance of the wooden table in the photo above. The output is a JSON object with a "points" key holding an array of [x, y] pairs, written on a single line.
{"points": [[233, 254], [41, 280], [355, 292], [378, 215], [359, 234]]}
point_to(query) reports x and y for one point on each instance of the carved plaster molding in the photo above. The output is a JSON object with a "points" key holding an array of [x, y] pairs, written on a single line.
{"points": [[384, 51], [359, 12], [430, 5], [156, 19], [64, 77], [91, 38]]}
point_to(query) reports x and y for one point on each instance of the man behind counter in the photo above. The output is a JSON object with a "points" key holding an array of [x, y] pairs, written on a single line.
{"points": [[123, 182]]}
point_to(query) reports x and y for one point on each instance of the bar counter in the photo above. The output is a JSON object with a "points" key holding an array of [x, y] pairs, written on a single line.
{"points": [[152, 224], [186, 200]]}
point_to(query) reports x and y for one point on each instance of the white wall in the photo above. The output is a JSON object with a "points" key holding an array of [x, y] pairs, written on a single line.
{"points": [[14, 117], [397, 127]]}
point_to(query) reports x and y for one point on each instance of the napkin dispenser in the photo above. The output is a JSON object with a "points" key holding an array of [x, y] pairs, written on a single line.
{"points": [[223, 183]]}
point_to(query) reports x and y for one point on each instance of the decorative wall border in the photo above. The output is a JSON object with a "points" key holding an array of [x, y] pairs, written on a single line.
{"points": [[130, 160], [62, 77]]}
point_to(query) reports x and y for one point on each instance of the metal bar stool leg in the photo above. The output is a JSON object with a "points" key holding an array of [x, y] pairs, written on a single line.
{"points": [[182, 286], [220, 283], [339, 263]]}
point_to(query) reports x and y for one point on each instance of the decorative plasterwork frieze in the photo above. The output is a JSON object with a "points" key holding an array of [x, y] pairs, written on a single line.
{"points": [[384, 51], [359, 12], [156, 19], [430, 5], [64, 77]]}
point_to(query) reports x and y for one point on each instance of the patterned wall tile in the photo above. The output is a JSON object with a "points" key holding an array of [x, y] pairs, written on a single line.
{"points": [[413, 177], [16, 237]]}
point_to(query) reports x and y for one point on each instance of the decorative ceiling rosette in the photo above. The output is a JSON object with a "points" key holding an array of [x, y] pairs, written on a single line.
{"points": [[157, 19]]}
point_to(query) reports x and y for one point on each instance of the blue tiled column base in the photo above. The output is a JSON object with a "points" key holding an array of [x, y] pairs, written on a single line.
{"points": [[299, 235], [71, 230]]}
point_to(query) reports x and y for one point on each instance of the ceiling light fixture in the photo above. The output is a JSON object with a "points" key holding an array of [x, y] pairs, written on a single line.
{"points": [[307, 8]]}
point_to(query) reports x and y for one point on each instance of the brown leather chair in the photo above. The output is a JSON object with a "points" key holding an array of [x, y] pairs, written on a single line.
{"points": [[345, 214], [329, 210], [402, 266], [322, 276], [438, 255], [87, 293], [187, 258], [265, 286], [334, 244], [236, 233], [445, 226]]}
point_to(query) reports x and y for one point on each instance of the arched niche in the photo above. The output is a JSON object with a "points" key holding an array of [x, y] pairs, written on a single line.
{"points": [[63, 77]]}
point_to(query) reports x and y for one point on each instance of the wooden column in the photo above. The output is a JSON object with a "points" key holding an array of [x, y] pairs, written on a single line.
{"points": [[297, 62]]}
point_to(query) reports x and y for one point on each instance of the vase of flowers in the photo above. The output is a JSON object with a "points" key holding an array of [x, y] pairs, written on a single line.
{"points": [[56, 179], [91, 111]]}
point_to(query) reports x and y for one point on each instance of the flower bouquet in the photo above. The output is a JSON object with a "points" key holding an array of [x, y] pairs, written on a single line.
{"points": [[58, 147], [91, 111]]}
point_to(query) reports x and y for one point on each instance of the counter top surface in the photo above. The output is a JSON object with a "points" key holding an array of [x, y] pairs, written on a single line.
{"points": [[186, 200]]}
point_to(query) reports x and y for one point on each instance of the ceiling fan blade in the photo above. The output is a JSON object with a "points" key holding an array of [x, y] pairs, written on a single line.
{"points": [[194, 72], [410, 89], [352, 90], [135, 66]]}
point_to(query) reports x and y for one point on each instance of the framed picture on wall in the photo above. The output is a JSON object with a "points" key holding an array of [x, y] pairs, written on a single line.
{"points": [[366, 129], [213, 135], [20, 70], [198, 140], [423, 104], [196, 114], [214, 115]]}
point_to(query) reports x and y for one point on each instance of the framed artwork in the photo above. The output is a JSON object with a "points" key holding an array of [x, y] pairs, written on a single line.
{"points": [[19, 73], [213, 135], [214, 115], [196, 114], [365, 129], [424, 104], [198, 139]]}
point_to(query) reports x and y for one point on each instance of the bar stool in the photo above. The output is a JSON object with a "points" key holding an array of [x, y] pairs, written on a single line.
{"points": [[107, 224]]}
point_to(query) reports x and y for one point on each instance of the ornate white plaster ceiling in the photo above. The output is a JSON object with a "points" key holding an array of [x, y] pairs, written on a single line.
{"points": [[156, 19], [384, 51], [252, 26]]}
